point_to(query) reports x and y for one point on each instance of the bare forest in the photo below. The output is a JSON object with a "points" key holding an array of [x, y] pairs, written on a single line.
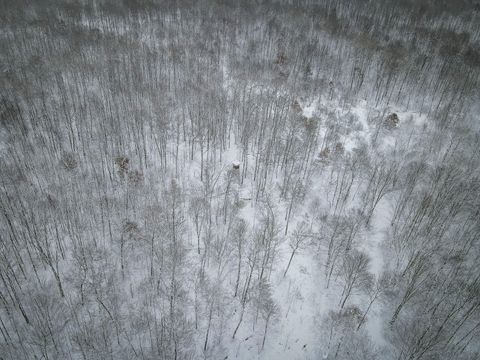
{"points": [[206, 179]]}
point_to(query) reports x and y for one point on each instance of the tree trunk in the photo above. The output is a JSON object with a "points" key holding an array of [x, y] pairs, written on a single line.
{"points": [[289, 262]]}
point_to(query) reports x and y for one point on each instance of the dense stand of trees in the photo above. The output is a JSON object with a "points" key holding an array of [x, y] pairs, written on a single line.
{"points": [[126, 232]]}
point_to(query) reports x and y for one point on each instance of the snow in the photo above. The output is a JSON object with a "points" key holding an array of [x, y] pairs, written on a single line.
{"points": [[361, 111], [302, 296], [309, 110]]}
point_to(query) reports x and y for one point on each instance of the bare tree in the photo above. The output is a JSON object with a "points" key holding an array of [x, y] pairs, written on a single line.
{"points": [[354, 273]]}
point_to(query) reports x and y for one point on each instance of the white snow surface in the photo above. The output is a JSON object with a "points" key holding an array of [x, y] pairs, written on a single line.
{"points": [[302, 295]]}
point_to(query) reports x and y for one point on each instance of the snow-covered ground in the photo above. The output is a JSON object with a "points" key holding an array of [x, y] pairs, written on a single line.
{"points": [[302, 295]]}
